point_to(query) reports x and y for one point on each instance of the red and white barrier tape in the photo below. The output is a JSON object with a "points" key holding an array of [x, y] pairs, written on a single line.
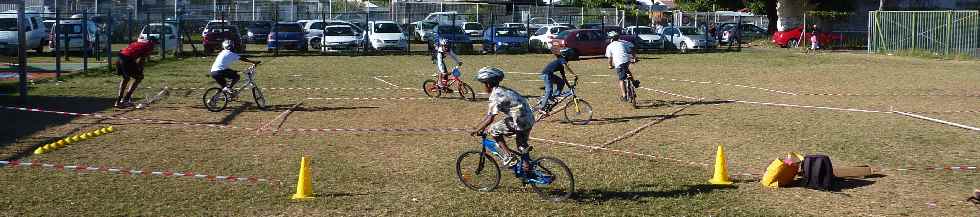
{"points": [[84, 168], [370, 98], [726, 84], [249, 128], [949, 168], [849, 94], [303, 88]]}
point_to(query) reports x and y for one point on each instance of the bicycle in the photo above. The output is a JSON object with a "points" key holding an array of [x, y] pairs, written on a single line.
{"points": [[548, 176], [630, 85], [216, 100], [581, 112], [433, 89]]}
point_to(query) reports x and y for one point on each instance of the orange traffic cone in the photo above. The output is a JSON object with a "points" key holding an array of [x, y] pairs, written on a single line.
{"points": [[304, 187], [721, 169]]}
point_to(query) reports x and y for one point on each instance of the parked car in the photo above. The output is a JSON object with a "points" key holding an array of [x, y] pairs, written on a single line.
{"points": [[339, 37], [541, 40], [538, 22], [163, 33], [474, 30], [516, 25], [448, 18], [748, 32], [422, 30], [504, 39], [36, 38], [604, 28], [48, 25], [458, 39], [791, 37], [645, 37], [287, 35], [583, 42], [75, 30], [213, 23], [386, 35], [685, 38], [314, 30], [215, 34], [258, 32]]}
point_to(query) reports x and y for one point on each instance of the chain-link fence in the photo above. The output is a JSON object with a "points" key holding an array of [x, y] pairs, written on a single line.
{"points": [[934, 33]]}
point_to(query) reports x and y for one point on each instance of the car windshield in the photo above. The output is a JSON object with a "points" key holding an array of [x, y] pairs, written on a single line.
{"points": [[8, 24], [509, 32], [692, 31], [339, 31], [287, 28], [428, 25], [472, 26], [387, 28], [157, 29], [643, 31], [69, 28], [450, 30], [221, 29], [262, 25]]}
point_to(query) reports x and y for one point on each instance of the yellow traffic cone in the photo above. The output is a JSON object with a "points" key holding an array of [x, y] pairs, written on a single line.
{"points": [[103, 130], [721, 169], [40, 150], [304, 187], [75, 138], [83, 136], [90, 135], [109, 129], [97, 132]]}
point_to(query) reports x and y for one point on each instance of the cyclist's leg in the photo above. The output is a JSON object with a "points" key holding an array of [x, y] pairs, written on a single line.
{"points": [[559, 82], [441, 67], [219, 78], [233, 75], [621, 72], [137, 76], [543, 104], [521, 138], [499, 130], [122, 71]]}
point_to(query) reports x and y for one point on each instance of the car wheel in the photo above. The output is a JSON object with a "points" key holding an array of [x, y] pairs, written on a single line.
{"points": [[683, 47], [536, 46], [792, 43], [573, 54], [315, 43]]}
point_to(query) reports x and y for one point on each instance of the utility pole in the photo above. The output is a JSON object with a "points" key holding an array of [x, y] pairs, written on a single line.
{"points": [[21, 53]]}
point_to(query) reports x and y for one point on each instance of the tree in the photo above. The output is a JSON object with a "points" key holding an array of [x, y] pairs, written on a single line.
{"points": [[696, 5]]}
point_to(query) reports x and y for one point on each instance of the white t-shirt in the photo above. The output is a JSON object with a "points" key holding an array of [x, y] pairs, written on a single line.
{"points": [[224, 60], [513, 106], [619, 51]]}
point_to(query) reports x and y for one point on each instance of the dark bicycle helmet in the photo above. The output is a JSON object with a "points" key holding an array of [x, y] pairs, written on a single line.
{"points": [[565, 52]]}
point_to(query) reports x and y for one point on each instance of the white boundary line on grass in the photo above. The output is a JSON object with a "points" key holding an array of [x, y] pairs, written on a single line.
{"points": [[386, 82], [83, 168], [937, 120]]}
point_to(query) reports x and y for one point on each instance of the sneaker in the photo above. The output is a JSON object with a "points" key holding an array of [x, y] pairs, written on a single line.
{"points": [[636, 83], [124, 104], [524, 149]]}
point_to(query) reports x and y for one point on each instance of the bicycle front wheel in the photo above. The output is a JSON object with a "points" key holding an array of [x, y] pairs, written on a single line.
{"points": [[631, 92], [259, 98], [553, 180], [215, 100], [466, 92], [431, 88], [477, 171], [578, 111]]}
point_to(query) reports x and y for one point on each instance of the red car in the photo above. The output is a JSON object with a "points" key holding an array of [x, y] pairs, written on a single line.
{"points": [[215, 35], [583, 42], [790, 37]]}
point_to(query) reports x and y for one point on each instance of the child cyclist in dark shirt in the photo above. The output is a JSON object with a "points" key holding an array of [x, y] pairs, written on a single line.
{"points": [[554, 84]]}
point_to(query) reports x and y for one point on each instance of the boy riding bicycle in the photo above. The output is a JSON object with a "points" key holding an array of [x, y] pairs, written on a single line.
{"points": [[518, 118], [221, 69], [560, 64], [443, 50], [621, 54]]}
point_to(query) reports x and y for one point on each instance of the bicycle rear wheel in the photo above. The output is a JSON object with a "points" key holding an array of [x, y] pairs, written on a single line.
{"points": [[477, 171], [553, 180], [631, 92], [259, 98], [466, 92], [431, 88], [578, 111], [215, 100]]}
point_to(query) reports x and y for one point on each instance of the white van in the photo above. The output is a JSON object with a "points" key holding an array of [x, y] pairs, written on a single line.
{"points": [[75, 29], [36, 36], [158, 30], [387, 35]]}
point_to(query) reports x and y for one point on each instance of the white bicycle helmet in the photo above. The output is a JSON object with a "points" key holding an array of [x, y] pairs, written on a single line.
{"points": [[226, 44], [612, 34], [490, 75]]}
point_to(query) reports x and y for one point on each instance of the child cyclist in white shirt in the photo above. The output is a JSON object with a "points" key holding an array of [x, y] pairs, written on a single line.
{"points": [[443, 50], [517, 118], [221, 69], [621, 54]]}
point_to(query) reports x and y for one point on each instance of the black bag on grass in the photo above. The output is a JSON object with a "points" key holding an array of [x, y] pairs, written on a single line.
{"points": [[818, 173]]}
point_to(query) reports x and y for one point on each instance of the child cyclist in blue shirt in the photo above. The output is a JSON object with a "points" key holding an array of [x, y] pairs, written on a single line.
{"points": [[551, 92]]}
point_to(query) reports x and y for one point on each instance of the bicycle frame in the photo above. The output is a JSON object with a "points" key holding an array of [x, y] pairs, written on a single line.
{"points": [[518, 170], [573, 95]]}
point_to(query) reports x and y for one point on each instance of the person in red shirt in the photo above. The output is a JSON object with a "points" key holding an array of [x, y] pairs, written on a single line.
{"points": [[130, 65]]}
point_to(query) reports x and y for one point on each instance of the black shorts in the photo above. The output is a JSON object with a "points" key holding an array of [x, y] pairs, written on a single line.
{"points": [[128, 67], [622, 71], [224, 74]]}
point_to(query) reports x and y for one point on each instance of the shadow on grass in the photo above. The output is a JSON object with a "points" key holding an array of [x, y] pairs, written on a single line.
{"points": [[19, 124], [598, 195], [604, 121], [649, 104]]}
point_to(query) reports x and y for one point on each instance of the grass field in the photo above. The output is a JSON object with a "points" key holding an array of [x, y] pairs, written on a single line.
{"points": [[412, 173]]}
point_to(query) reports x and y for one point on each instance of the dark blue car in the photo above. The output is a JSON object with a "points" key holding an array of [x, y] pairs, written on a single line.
{"points": [[504, 39], [459, 41], [287, 35]]}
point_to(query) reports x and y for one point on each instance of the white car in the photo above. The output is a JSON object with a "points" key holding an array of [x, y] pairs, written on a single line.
{"points": [[314, 30], [422, 30], [645, 37], [36, 36], [386, 35], [686, 38], [538, 22], [75, 30], [541, 39], [474, 30], [339, 37], [158, 30], [446, 18]]}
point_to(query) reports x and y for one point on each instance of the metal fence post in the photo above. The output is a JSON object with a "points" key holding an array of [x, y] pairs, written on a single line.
{"points": [[57, 43], [85, 44], [949, 31], [21, 53], [163, 37], [108, 47]]}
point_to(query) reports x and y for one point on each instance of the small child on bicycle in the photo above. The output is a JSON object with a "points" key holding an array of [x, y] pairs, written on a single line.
{"points": [[443, 50], [560, 64], [221, 69], [517, 116], [621, 54]]}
